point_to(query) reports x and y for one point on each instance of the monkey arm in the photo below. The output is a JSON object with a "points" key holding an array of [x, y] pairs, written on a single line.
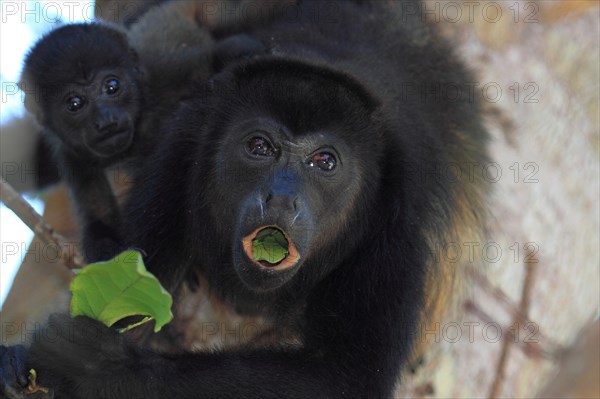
{"points": [[97, 207], [352, 347]]}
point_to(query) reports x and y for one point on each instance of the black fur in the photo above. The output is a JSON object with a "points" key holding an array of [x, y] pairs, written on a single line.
{"points": [[77, 63], [154, 73], [363, 230]]}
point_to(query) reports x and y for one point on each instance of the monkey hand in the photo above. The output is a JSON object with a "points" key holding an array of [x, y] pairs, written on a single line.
{"points": [[80, 357], [13, 373]]}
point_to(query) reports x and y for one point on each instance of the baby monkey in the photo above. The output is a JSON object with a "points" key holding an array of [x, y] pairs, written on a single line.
{"points": [[83, 84], [100, 93]]}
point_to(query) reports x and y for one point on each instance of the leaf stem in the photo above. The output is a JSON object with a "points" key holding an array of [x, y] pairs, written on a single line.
{"points": [[134, 325]]}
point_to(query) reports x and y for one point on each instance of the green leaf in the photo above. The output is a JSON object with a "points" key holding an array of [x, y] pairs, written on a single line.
{"points": [[270, 245], [121, 287]]}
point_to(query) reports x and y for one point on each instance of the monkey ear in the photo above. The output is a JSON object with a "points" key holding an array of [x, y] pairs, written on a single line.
{"points": [[32, 96]]}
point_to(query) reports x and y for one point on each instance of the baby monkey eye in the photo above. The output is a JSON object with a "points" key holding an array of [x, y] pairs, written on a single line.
{"points": [[261, 147], [324, 161], [111, 86], [75, 103]]}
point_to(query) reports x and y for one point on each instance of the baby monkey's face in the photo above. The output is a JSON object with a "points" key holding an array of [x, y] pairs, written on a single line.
{"points": [[96, 117]]}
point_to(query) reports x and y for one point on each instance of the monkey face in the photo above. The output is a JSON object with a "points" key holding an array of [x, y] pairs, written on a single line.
{"points": [[286, 179], [283, 183], [96, 119]]}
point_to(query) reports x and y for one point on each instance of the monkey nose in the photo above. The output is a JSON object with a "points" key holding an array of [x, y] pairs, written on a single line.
{"points": [[107, 126]]}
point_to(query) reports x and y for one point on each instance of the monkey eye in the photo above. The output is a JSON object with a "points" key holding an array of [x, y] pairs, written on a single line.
{"points": [[260, 147], [111, 86], [323, 160], [75, 103]]}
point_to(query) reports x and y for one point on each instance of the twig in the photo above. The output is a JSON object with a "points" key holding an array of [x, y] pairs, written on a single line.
{"points": [[532, 348], [496, 293], [530, 267], [70, 256]]}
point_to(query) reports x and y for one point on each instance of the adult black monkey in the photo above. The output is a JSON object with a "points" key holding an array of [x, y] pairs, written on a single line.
{"points": [[324, 138]]}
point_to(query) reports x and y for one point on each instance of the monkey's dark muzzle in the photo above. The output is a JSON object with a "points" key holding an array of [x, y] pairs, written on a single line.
{"points": [[110, 143]]}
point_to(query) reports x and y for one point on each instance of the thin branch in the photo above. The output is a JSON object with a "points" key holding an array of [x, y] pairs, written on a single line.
{"points": [[496, 293], [70, 256], [530, 268], [533, 349]]}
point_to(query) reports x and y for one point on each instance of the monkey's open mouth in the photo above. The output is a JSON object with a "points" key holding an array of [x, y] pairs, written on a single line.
{"points": [[270, 247]]}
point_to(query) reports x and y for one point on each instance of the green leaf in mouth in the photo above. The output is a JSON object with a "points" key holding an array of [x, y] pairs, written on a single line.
{"points": [[270, 245]]}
